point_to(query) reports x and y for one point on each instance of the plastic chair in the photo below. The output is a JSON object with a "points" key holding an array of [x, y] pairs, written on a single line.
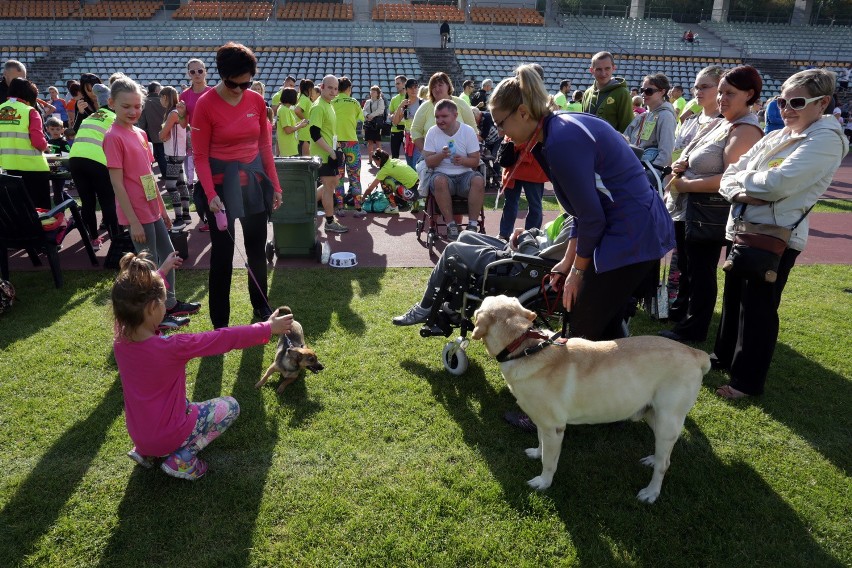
{"points": [[20, 227]]}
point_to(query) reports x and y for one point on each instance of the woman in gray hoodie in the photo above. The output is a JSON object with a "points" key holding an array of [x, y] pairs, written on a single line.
{"points": [[654, 130]]}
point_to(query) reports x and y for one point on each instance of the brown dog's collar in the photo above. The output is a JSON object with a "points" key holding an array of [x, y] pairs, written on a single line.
{"points": [[505, 354]]}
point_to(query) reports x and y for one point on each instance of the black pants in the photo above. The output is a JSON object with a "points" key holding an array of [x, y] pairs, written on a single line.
{"points": [[37, 185], [701, 283], [160, 157], [748, 330], [396, 139], [222, 261], [677, 311], [94, 186], [598, 313]]}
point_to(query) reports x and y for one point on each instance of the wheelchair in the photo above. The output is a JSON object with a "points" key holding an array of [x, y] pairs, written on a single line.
{"points": [[461, 293], [431, 220]]}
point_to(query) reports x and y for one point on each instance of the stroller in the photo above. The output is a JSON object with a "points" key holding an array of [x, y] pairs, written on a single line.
{"points": [[462, 291]]}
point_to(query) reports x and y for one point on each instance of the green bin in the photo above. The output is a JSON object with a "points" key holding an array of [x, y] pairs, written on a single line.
{"points": [[294, 229]]}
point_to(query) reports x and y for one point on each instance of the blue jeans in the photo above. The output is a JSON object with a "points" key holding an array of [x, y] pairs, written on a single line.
{"points": [[412, 161], [534, 192]]}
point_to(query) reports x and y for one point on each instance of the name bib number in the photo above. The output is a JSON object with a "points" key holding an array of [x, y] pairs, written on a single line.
{"points": [[150, 187]]}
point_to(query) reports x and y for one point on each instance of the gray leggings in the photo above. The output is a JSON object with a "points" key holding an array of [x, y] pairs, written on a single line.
{"points": [[159, 246]]}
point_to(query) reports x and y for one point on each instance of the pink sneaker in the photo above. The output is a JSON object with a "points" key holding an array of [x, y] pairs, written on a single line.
{"points": [[204, 228], [191, 470]]}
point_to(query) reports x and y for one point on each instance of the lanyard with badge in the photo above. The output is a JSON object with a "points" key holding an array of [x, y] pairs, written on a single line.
{"points": [[526, 152], [149, 184]]}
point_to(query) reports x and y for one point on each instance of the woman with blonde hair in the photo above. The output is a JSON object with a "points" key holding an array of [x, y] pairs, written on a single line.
{"points": [[440, 88], [621, 227], [777, 182]]}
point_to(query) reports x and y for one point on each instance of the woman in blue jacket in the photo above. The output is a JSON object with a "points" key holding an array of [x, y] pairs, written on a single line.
{"points": [[622, 227]]}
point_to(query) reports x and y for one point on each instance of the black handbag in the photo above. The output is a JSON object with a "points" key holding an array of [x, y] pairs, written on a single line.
{"points": [[757, 248], [706, 218]]}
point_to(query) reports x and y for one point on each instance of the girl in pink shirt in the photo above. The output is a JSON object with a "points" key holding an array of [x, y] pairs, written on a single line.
{"points": [[129, 157], [159, 418]]}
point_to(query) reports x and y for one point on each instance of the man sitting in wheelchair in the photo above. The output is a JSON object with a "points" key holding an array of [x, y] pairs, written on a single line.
{"points": [[399, 182], [451, 150], [474, 252]]}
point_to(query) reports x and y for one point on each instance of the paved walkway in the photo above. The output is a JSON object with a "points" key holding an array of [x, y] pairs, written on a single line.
{"points": [[390, 241]]}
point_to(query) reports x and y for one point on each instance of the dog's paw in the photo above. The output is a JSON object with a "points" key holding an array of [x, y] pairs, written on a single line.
{"points": [[533, 453], [648, 495], [648, 460], [539, 483]]}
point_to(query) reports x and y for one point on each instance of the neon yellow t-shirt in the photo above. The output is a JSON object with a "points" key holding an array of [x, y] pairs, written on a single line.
{"points": [[394, 104], [305, 104], [276, 98], [398, 170], [560, 101], [288, 144], [348, 113], [465, 97], [574, 107], [323, 117]]}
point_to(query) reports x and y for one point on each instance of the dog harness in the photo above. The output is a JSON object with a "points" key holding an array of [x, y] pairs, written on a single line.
{"points": [[505, 354]]}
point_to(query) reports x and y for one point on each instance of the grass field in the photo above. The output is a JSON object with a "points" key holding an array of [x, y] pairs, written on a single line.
{"points": [[384, 459]]}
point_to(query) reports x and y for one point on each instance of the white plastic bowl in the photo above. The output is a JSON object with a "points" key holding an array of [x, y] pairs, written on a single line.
{"points": [[343, 260]]}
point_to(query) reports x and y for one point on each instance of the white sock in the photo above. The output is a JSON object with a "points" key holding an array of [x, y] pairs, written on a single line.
{"points": [[472, 223]]}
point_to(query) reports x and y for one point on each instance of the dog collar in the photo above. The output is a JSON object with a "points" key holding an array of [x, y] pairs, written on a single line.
{"points": [[505, 354]]}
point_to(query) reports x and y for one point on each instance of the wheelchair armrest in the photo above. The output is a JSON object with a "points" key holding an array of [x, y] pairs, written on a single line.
{"points": [[534, 260]]}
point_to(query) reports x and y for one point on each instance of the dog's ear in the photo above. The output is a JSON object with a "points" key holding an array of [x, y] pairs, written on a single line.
{"points": [[529, 315], [294, 353], [483, 321]]}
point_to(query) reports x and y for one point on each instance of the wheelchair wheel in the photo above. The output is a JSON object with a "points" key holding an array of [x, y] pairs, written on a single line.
{"points": [[454, 358], [430, 238], [419, 228]]}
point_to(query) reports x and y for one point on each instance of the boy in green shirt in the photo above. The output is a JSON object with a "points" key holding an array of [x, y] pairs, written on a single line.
{"points": [[561, 98], [348, 113], [288, 125], [323, 122], [399, 182]]}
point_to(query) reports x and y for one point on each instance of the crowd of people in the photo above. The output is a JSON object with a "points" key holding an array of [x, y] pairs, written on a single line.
{"points": [[215, 148]]}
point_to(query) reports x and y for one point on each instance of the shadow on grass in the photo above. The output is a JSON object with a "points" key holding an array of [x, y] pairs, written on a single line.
{"points": [[316, 310], [210, 522], [813, 402], [54, 479], [709, 513]]}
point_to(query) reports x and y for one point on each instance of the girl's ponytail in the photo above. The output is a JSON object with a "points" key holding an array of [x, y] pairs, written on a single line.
{"points": [[137, 285]]}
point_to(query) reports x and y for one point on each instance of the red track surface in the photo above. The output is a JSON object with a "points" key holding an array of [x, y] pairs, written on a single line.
{"points": [[390, 241]]}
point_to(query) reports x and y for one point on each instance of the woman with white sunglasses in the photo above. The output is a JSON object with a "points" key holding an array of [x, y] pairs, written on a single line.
{"points": [[779, 180]]}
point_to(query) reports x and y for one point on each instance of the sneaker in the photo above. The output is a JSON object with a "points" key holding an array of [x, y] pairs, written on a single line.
{"points": [[413, 316], [187, 218], [473, 226], [392, 211], [171, 323], [191, 470], [183, 309], [97, 243], [204, 228], [335, 227], [145, 461], [452, 231], [361, 213], [340, 212], [177, 223]]}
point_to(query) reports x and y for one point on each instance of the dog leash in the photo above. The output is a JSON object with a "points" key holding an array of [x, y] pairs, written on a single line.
{"points": [[246, 264], [550, 309], [531, 333]]}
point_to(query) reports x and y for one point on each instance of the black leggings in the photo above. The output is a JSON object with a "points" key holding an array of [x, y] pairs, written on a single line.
{"points": [[94, 186], [222, 263]]}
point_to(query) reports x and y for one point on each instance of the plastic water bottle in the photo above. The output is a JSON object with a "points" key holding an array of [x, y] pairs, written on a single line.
{"points": [[326, 253], [452, 146]]}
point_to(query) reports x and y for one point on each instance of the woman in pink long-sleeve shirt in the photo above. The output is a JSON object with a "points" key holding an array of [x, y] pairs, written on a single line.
{"points": [[160, 419], [232, 148]]}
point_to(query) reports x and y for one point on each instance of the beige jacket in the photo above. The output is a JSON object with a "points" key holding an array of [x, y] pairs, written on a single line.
{"points": [[791, 171]]}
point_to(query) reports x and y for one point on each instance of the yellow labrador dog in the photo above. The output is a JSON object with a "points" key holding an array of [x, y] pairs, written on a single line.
{"points": [[591, 382]]}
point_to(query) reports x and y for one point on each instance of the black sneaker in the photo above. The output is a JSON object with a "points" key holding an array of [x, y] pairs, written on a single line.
{"points": [[183, 309], [171, 323]]}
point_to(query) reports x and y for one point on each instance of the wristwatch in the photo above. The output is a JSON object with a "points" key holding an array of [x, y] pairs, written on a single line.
{"points": [[579, 271]]}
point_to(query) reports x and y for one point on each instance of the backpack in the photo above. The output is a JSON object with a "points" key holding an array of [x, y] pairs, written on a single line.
{"points": [[376, 202]]}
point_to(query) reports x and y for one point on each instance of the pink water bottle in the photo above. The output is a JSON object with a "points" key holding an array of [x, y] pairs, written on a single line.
{"points": [[221, 220]]}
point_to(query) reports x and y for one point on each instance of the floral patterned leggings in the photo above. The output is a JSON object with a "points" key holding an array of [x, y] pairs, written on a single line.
{"points": [[214, 417], [352, 153]]}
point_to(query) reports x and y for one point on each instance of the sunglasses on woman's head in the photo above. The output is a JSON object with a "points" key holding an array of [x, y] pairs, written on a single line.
{"points": [[796, 103], [231, 85], [649, 91], [196, 71]]}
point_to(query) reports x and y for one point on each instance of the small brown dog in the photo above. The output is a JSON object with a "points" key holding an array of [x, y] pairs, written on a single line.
{"points": [[291, 356]]}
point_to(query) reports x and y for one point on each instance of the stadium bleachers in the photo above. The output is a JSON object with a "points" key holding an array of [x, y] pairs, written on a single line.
{"points": [[506, 16], [36, 33], [223, 10], [120, 10], [365, 66], [38, 10], [405, 12], [793, 42], [314, 11]]}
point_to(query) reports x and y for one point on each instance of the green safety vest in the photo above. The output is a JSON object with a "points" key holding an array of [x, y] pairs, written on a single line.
{"points": [[89, 142], [16, 150]]}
